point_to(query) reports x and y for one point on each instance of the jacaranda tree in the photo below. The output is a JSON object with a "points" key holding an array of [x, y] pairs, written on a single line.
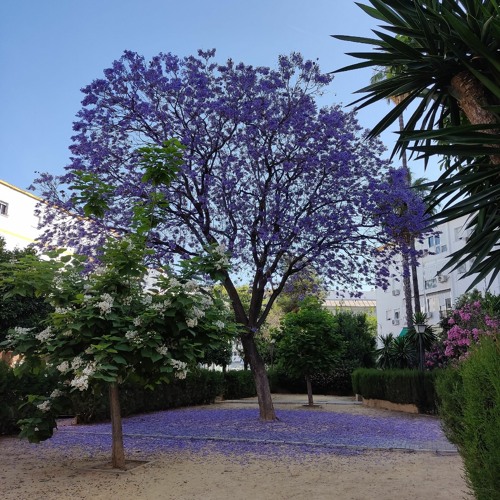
{"points": [[273, 182]]}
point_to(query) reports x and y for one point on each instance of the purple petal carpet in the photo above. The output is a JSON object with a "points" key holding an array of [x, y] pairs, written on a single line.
{"points": [[240, 430]]}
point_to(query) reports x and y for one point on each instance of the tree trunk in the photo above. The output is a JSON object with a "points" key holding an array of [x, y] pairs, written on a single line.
{"points": [[407, 289], [472, 99], [414, 275], [310, 401], [266, 407], [118, 452]]}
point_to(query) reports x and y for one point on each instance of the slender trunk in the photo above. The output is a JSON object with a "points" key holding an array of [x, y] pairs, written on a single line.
{"points": [[310, 401], [118, 452], [406, 255], [407, 290], [414, 275], [266, 407]]}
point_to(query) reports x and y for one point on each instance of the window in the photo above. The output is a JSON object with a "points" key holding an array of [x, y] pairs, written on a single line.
{"points": [[447, 303], [430, 283], [444, 248], [388, 314], [462, 269], [434, 241], [396, 313], [4, 208], [459, 233]]}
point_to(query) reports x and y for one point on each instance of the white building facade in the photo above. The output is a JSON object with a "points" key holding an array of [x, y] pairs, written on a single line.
{"points": [[18, 222], [438, 290]]}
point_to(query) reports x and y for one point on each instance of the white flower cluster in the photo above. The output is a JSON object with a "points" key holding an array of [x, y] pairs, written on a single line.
{"points": [[127, 300], [56, 393], [137, 321], [19, 331], [173, 283], [62, 310], [163, 350], [180, 369], [219, 324], [205, 301], [106, 303], [147, 299], [190, 286], [45, 406], [45, 335], [194, 315], [131, 334], [161, 307], [221, 259], [81, 381], [64, 367]]}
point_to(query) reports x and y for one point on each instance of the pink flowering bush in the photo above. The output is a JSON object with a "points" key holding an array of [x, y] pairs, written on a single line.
{"points": [[464, 328]]}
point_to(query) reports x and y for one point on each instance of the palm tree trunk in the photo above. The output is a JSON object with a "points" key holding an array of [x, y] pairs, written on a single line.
{"points": [[472, 98], [416, 289], [118, 451], [407, 290]]}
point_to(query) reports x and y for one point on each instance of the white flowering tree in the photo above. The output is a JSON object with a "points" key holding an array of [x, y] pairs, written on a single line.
{"points": [[107, 325], [115, 321]]}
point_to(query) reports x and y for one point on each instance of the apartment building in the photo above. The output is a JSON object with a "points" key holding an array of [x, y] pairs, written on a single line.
{"points": [[438, 290], [18, 222]]}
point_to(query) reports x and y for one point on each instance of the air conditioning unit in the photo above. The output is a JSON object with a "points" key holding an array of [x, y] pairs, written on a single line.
{"points": [[442, 278], [395, 321], [396, 292]]}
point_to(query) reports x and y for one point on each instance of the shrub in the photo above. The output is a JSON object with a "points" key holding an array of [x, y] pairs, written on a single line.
{"points": [[397, 386], [15, 386], [470, 409], [239, 384], [199, 387]]}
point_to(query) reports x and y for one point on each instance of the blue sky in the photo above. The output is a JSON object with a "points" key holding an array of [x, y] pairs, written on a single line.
{"points": [[49, 50]]}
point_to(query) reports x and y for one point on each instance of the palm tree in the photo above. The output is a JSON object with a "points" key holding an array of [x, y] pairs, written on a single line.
{"points": [[409, 262], [450, 71]]}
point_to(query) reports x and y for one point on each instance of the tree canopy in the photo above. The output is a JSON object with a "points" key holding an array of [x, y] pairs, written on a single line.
{"points": [[273, 182]]}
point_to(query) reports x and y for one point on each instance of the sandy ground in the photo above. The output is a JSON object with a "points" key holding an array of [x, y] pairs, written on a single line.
{"points": [[28, 473]]}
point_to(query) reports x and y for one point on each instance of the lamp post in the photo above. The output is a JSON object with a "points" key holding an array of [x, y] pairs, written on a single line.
{"points": [[420, 327]]}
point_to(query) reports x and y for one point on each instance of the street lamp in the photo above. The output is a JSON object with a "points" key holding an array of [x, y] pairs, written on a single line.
{"points": [[420, 327]]}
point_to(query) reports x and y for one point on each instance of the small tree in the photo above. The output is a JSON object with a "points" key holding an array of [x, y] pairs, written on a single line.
{"points": [[308, 343], [110, 324]]}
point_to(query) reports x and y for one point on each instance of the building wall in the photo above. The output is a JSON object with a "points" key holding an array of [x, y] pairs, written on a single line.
{"points": [[18, 222], [438, 292]]}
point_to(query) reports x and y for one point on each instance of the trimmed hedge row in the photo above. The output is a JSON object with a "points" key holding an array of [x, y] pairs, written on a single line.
{"points": [[199, 387], [337, 383], [397, 386]]}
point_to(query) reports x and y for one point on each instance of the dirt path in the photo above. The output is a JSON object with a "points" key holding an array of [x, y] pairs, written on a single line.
{"points": [[29, 472]]}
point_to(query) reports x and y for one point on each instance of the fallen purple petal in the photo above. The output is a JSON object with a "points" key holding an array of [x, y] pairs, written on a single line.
{"points": [[239, 431]]}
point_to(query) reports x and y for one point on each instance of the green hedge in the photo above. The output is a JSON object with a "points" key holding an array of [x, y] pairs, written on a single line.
{"points": [[397, 386], [14, 390], [199, 387], [338, 382], [239, 384], [469, 406]]}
